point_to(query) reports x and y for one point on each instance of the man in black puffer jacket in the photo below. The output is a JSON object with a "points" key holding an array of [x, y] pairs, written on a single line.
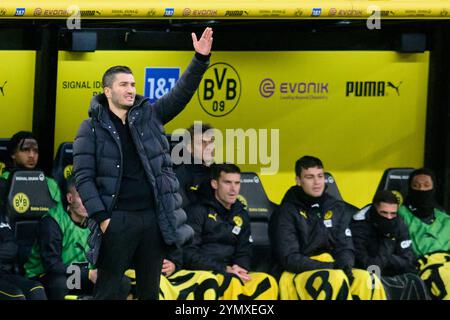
{"points": [[311, 240], [124, 175]]}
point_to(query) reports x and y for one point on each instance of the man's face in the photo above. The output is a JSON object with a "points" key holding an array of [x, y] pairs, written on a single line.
{"points": [[75, 204], [202, 147], [387, 210], [26, 154], [312, 181], [227, 188], [123, 91], [422, 182]]}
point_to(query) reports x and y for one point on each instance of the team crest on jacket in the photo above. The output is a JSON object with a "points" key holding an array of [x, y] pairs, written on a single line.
{"points": [[213, 216], [328, 215], [303, 214], [237, 221]]}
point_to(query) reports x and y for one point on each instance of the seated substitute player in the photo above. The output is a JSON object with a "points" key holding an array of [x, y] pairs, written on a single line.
{"points": [[59, 255], [23, 149], [194, 176], [312, 243], [382, 242], [12, 285], [222, 240], [429, 227]]}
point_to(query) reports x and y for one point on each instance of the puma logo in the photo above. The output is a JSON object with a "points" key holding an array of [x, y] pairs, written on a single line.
{"points": [[390, 84], [1, 88]]}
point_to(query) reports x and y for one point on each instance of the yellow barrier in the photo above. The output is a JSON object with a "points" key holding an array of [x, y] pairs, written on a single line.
{"points": [[230, 9]]}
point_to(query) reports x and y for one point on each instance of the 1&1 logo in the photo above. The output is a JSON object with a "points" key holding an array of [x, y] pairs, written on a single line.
{"points": [[159, 81], [220, 90]]}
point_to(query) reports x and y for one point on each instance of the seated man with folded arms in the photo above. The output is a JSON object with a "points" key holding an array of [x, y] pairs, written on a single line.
{"points": [[312, 243], [222, 240], [382, 244], [429, 227]]}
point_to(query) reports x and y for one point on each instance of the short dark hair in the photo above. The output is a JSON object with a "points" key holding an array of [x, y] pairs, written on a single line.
{"points": [[194, 128], [424, 171], [217, 169], [385, 196], [70, 183], [110, 74], [307, 162], [18, 139]]}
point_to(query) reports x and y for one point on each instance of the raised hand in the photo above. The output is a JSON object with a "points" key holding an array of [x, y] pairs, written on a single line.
{"points": [[203, 46]]}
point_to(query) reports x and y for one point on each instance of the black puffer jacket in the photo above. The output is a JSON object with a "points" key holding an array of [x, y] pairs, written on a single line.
{"points": [[391, 252], [299, 231], [98, 154], [222, 237]]}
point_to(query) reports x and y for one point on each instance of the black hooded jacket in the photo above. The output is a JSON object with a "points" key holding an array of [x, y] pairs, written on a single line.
{"points": [[299, 231], [392, 251], [222, 236]]}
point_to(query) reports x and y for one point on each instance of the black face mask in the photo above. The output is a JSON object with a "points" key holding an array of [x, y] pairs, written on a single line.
{"points": [[385, 227], [421, 198], [423, 201]]}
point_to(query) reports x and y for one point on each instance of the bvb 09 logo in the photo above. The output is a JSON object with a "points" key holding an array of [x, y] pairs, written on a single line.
{"points": [[220, 90], [21, 202]]}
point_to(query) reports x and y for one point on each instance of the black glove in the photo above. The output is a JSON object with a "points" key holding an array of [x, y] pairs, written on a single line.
{"points": [[346, 269], [349, 273]]}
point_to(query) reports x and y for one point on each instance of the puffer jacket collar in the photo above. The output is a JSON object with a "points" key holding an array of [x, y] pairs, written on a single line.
{"points": [[99, 105], [293, 196]]}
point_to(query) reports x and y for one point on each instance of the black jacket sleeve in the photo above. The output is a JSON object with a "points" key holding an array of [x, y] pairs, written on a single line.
{"points": [[343, 254], [184, 178], [172, 103], [50, 242], [402, 260], [4, 188], [287, 246], [8, 248], [361, 241], [192, 256], [84, 167], [175, 255], [243, 251]]}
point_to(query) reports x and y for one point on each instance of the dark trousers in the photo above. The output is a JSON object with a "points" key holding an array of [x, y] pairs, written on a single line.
{"points": [[16, 287], [132, 239]]}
